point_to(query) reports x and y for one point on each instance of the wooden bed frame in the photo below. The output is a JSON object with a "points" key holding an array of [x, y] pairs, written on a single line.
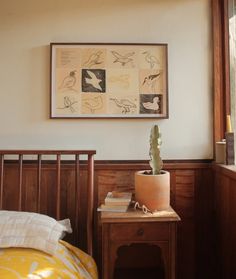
{"points": [[47, 182]]}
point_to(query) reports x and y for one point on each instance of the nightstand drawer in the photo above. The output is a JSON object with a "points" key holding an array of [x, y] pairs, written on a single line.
{"points": [[139, 231]]}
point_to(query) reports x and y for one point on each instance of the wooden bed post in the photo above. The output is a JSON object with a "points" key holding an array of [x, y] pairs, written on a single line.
{"points": [[20, 181], [39, 181], [77, 196], [58, 191], [1, 181], [90, 204]]}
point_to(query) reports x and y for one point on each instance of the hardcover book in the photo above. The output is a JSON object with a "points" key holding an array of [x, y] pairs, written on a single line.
{"points": [[118, 198], [115, 208]]}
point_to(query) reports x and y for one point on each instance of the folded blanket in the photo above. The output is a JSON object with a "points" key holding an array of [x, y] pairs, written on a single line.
{"points": [[68, 262]]}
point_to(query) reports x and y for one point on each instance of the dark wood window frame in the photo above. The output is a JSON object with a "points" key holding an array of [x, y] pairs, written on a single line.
{"points": [[221, 74]]}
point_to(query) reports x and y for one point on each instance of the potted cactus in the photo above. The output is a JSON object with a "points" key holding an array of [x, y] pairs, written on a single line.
{"points": [[152, 187]]}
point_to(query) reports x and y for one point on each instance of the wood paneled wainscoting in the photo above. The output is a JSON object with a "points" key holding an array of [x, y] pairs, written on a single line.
{"points": [[225, 205], [191, 197]]}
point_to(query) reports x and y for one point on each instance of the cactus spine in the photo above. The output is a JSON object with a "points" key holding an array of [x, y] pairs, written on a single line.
{"points": [[154, 152]]}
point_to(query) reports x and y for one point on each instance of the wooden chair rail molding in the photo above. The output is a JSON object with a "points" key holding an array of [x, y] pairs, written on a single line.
{"points": [[225, 170], [144, 164]]}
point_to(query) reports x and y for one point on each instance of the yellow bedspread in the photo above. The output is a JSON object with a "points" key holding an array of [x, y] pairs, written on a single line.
{"points": [[69, 262]]}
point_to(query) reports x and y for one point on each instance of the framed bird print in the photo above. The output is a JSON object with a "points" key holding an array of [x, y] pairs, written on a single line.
{"points": [[109, 80]]}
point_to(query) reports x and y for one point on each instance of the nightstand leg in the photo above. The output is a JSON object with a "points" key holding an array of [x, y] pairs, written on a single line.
{"points": [[108, 254], [173, 228]]}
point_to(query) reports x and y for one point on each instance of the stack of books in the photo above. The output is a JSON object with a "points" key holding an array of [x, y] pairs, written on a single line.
{"points": [[116, 202]]}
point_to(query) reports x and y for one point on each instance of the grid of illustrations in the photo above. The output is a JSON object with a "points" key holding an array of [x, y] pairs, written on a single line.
{"points": [[109, 81]]}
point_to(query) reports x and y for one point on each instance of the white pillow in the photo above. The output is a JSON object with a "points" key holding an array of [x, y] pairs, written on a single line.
{"points": [[31, 230]]}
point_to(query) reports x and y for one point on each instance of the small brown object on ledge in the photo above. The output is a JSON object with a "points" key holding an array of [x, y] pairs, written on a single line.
{"points": [[229, 137]]}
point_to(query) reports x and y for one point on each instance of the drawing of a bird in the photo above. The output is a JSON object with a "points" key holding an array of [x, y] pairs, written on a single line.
{"points": [[151, 59], [124, 104], [123, 59], [68, 104], [69, 81], [94, 59], [154, 105], [93, 80], [93, 104], [151, 81]]}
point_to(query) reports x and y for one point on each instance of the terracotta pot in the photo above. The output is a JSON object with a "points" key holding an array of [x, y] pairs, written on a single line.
{"points": [[153, 191]]}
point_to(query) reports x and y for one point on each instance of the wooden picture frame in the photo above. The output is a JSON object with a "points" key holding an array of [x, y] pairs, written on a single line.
{"points": [[91, 80]]}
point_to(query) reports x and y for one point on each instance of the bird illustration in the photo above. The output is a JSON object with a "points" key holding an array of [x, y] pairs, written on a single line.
{"points": [[124, 104], [151, 59], [94, 59], [123, 59], [151, 81], [68, 104], [93, 103], [93, 80], [69, 81], [154, 105]]}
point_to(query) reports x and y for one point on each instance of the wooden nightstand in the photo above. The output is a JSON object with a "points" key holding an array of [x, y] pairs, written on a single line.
{"points": [[120, 229]]}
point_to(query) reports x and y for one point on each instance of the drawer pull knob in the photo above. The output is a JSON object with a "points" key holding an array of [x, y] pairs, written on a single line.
{"points": [[140, 232]]}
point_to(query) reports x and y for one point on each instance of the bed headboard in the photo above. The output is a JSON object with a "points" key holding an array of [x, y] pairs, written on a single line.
{"points": [[59, 183]]}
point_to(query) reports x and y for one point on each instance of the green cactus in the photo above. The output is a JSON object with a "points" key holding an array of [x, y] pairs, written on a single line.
{"points": [[154, 152]]}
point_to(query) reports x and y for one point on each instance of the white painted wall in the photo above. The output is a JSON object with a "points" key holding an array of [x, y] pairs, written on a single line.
{"points": [[26, 29]]}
